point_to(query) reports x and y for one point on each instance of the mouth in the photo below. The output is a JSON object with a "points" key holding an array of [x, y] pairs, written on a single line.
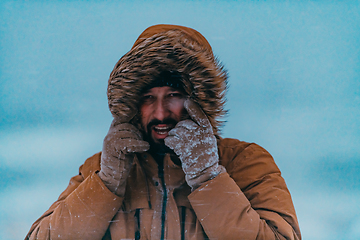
{"points": [[161, 131]]}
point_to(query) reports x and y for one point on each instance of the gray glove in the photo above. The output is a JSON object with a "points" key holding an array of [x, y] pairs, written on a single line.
{"points": [[120, 145], [195, 144]]}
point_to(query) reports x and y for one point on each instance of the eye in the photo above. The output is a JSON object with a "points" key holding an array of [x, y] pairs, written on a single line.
{"points": [[175, 94], [147, 98]]}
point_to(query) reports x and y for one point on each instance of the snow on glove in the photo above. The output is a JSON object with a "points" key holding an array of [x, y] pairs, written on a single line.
{"points": [[195, 144], [120, 145]]}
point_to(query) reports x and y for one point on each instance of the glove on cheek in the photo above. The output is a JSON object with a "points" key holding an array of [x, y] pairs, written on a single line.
{"points": [[196, 146], [119, 148]]}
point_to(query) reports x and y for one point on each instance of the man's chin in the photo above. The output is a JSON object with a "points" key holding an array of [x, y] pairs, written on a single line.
{"points": [[159, 146], [158, 149], [155, 135]]}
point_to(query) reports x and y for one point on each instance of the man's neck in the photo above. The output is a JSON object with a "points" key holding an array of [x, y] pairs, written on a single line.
{"points": [[158, 151]]}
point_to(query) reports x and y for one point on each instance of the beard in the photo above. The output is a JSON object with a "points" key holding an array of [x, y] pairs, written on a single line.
{"points": [[157, 146], [158, 149]]}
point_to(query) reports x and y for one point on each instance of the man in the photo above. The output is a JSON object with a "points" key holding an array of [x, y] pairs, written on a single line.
{"points": [[164, 171]]}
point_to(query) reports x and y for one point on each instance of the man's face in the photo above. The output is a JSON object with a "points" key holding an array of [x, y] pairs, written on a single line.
{"points": [[161, 109]]}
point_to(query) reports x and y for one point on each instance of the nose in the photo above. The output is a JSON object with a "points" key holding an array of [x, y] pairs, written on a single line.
{"points": [[161, 110]]}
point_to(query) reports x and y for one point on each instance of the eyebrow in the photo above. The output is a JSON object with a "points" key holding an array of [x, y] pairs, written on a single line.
{"points": [[175, 89]]}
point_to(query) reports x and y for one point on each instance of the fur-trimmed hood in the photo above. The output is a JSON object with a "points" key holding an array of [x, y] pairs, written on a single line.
{"points": [[168, 48]]}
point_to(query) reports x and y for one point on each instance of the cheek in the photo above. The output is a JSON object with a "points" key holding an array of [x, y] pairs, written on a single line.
{"points": [[144, 112], [177, 107]]}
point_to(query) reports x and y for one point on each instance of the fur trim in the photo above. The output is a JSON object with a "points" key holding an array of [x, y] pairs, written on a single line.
{"points": [[204, 78]]}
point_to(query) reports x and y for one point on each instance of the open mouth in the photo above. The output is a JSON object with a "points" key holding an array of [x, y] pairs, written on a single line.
{"points": [[161, 131]]}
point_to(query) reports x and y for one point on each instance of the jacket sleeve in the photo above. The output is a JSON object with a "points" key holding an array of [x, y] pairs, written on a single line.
{"points": [[83, 211], [250, 201]]}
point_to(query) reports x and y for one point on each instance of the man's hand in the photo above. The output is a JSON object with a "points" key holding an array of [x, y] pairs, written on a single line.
{"points": [[120, 145], [195, 144]]}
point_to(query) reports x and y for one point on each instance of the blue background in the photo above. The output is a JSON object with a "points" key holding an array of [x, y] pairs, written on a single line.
{"points": [[294, 89]]}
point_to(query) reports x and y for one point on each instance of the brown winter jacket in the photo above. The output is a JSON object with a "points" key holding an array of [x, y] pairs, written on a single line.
{"points": [[250, 201]]}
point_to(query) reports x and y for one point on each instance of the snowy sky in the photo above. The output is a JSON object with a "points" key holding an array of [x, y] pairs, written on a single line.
{"points": [[294, 89]]}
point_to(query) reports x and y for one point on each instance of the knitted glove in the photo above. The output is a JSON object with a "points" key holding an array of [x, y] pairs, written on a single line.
{"points": [[120, 145], [194, 143]]}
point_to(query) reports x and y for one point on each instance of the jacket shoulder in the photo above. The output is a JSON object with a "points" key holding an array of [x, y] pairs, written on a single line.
{"points": [[246, 162], [232, 143], [231, 147], [92, 164]]}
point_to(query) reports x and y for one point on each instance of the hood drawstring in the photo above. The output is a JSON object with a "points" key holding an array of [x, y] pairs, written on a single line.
{"points": [[137, 229], [183, 215], [137, 211], [146, 181], [148, 195]]}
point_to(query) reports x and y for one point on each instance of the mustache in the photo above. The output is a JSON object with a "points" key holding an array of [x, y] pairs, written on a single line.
{"points": [[157, 121]]}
